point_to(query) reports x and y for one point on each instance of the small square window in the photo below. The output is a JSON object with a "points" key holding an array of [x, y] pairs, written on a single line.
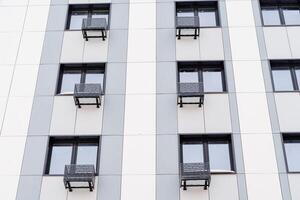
{"points": [[282, 80], [292, 151], [71, 150], [271, 16], [291, 15], [207, 17]]}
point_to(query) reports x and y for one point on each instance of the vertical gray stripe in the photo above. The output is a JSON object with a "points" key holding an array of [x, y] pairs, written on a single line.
{"points": [[283, 176], [167, 178], [235, 125], [110, 175], [37, 139]]}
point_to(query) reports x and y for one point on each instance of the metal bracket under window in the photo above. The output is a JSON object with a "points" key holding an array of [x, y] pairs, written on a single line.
{"points": [[87, 94], [187, 24], [190, 91], [94, 28]]}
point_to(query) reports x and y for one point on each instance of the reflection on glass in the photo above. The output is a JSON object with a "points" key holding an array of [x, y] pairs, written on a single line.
{"points": [[292, 151], [282, 80], [219, 157], [271, 16], [87, 155], [94, 76], [185, 12], [207, 18], [291, 16], [192, 153], [76, 19], [61, 156], [69, 79], [100, 14], [212, 81], [188, 76]]}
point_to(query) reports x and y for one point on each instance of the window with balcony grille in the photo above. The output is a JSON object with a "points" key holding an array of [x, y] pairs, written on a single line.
{"points": [[292, 151], [197, 78], [277, 13], [202, 155], [285, 75]]}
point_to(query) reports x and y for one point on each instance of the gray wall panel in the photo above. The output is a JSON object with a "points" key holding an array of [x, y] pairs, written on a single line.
{"points": [[57, 12], [109, 187], [47, 79], [29, 188], [117, 49], [119, 17], [167, 187], [115, 79], [165, 41], [166, 77], [165, 16], [52, 46]]}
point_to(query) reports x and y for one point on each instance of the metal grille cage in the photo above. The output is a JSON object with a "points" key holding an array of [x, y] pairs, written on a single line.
{"points": [[94, 24], [79, 174], [190, 90], [191, 23], [195, 171], [87, 90]]}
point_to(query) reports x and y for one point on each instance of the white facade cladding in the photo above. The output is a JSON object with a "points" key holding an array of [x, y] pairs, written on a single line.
{"points": [[243, 139]]}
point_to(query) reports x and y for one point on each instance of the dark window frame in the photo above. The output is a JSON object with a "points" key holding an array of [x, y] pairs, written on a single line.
{"points": [[280, 7], [292, 66], [90, 8], [74, 142], [289, 138], [83, 67], [197, 6], [204, 66], [205, 140]]}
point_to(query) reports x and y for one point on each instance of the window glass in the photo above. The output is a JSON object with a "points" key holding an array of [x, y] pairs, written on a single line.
{"points": [[282, 80], [94, 76], [292, 151], [219, 157], [291, 16], [192, 153], [189, 76], [185, 12], [69, 79], [207, 17], [76, 19], [212, 81], [100, 14], [271, 16], [297, 71], [87, 155], [60, 156]]}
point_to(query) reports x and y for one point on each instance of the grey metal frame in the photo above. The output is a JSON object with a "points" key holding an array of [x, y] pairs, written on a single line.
{"points": [[187, 90], [187, 23], [94, 25], [87, 90]]}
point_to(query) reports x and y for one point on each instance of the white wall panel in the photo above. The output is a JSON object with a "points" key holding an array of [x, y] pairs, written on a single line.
{"points": [[263, 186], [12, 17], [73, 45], [53, 188], [30, 48], [217, 113], [139, 155], [294, 180], [190, 119], [36, 18], [194, 193], [259, 153], [211, 44], [6, 73], [147, 10], [141, 78], [11, 155], [9, 186], [13, 2], [83, 194], [89, 120], [95, 50], [63, 115], [39, 2], [240, 13], [24, 80], [223, 187], [9, 46], [294, 40], [187, 48], [17, 116], [248, 76], [253, 113]]}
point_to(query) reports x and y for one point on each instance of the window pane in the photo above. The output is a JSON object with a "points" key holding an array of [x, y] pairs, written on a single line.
{"points": [[212, 81], [100, 14], [282, 80], [271, 16], [291, 16], [76, 19], [297, 71], [292, 151], [61, 156], [189, 76], [219, 157], [185, 12], [207, 18], [87, 155], [69, 79], [94, 76], [192, 153]]}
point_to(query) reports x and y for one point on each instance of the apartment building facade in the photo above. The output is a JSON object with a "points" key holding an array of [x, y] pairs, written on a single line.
{"points": [[149, 99]]}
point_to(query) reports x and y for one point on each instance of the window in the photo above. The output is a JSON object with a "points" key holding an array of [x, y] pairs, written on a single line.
{"points": [[206, 11], [79, 12], [286, 75], [292, 151], [210, 73], [71, 74], [72, 150], [276, 14], [214, 149]]}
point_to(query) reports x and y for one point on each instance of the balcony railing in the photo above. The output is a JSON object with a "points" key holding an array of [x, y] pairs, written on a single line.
{"points": [[79, 176], [96, 25], [190, 90], [191, 24], [87, 94], [190, 173]]}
